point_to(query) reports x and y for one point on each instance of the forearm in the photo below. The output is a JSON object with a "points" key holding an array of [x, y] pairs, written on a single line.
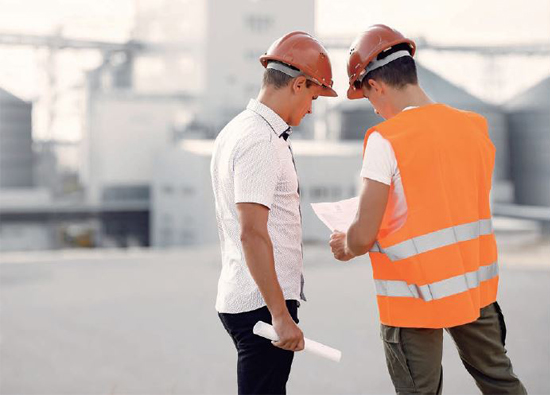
{"points": [[258, 251], [372, 206], [357, 241]]}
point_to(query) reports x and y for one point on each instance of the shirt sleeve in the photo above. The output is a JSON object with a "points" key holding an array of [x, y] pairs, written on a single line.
{"points": [[379, 163], [256, 170]]}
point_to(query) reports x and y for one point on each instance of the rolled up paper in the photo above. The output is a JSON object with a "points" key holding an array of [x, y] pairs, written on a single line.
{"points": [[265, 330]]}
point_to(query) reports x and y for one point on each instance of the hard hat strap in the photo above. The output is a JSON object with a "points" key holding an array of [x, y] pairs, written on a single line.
{"points": [[283, 68]]}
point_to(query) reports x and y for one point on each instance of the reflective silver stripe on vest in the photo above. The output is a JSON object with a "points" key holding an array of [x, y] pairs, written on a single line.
{"points": [[437, 239], [440, 289]]}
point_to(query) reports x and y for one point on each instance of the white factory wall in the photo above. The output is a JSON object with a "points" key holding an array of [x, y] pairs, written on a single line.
{"points": [[181, 27], [182, 208], [182, 202], [125, 131], [234, 73]]}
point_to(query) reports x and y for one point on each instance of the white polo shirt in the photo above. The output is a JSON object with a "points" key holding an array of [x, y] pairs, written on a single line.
{"points": [[252, 163]]}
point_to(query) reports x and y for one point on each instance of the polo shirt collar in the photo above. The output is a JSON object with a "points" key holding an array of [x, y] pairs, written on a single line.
{"points": [[272, 118]]}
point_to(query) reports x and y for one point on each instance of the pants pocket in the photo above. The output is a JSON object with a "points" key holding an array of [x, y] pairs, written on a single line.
{"points": [[501, 322], [396, 359]]}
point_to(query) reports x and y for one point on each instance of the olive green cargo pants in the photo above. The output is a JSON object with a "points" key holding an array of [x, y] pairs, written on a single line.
{"points": [[414, 355]]}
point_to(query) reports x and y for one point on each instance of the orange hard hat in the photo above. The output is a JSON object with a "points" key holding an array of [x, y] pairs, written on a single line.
{"points": [[366, 48], [302, 51]]}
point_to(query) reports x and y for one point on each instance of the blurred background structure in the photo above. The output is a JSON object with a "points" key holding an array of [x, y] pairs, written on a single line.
{"points": [[108, 111], [80, 159], [82, 151]]}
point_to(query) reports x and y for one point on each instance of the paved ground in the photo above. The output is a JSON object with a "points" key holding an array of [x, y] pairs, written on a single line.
{"points": [[143, 322]]}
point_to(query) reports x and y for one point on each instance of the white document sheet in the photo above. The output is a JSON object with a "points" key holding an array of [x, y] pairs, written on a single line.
{"points": [[337, 215]]}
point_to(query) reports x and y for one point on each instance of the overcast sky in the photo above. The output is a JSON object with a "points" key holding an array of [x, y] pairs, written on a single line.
{"points": [[448, 21], [471, 22], [445, 21]]}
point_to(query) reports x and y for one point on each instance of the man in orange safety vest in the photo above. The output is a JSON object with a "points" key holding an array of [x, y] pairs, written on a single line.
{"points": [[424, 218]]}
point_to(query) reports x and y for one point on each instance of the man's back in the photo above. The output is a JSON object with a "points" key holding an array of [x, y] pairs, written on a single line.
{"points": [[446, 247], [446, 151]]}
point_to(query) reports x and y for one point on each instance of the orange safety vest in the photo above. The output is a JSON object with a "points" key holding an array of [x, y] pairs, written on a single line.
{"points": [[440, 268]]}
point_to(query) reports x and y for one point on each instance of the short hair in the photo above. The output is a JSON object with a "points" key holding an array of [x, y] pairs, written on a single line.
{"points": [[278, 79], [398, 73]]}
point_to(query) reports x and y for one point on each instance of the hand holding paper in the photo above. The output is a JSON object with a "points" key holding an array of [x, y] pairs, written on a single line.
{"points": [[338, 246]]}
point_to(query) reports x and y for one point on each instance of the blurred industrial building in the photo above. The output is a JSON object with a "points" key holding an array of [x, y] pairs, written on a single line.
{"points": [[16, 157], [182, 209], [529, 140], [152, 107]]}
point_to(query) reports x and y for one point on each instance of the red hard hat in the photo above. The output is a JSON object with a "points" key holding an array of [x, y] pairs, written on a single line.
{"points": [[366, 47], [302, 51]]}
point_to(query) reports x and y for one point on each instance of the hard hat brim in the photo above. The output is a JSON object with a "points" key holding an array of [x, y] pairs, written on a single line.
{"points": [[329, 92], [354, 94]]}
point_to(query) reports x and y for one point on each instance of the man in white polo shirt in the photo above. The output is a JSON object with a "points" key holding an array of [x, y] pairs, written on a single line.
{"points": [[258, 212]]}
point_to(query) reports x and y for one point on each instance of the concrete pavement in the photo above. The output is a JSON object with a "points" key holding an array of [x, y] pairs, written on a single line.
{"points": [[143, 322]]}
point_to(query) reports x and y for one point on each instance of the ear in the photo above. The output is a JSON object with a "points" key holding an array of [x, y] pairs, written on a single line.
{"points": [[299, 83], [377, 86]]}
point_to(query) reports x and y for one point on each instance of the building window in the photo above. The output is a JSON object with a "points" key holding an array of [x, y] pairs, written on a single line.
{"points": [[187, 237], [319, 192], [336, 192], [187, 191], [258, 23], [333, 192], [168, 189]]}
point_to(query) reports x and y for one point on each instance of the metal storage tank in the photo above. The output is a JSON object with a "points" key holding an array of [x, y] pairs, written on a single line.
{"points": [[529, 122], [352, 118], [16, 157]]}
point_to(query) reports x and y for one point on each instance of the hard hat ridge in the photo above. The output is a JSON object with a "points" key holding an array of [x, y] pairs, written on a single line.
{"points": [[303, 52], [365, 49]]}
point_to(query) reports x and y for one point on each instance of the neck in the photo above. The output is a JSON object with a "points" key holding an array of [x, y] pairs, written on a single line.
{"points": [[275, 99], [409, 96]]}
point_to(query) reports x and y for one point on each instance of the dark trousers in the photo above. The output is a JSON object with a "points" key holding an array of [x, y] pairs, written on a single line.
{"points": [[262, 368], [414, 355]]}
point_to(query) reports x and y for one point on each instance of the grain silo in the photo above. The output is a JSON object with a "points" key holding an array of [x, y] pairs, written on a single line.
{"points": [[529, 123], [16, 157], [352, 118]]}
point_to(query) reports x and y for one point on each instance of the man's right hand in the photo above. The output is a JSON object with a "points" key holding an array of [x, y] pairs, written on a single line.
{"points": [[339, 248], [290, 335]]}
